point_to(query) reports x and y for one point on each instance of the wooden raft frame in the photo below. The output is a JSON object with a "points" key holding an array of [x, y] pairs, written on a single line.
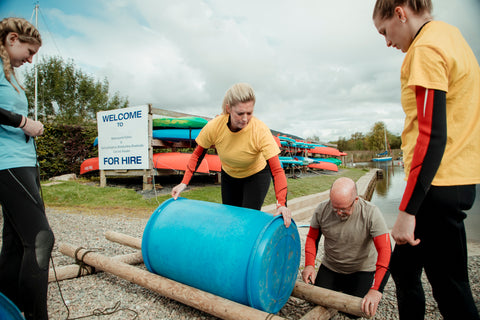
{"points": [[328, 302]]}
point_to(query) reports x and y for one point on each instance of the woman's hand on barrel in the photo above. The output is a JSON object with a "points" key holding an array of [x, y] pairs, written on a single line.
{"points": [[286, 214], [177, 190]]}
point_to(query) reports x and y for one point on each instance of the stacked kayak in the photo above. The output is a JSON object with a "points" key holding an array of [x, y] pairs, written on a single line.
{"points": [[167, 161], [319, 163], [324, 165], [177, 129], [175, 134], [289, 162], [179, 123]]}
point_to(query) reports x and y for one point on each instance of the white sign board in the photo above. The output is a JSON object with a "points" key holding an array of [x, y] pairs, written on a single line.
{"points": [[123, 138]]}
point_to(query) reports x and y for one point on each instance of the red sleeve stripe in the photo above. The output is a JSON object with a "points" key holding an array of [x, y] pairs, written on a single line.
{"points": [[384, 250], [311, 246], [193, 163], [424, 113], [279, 180]]}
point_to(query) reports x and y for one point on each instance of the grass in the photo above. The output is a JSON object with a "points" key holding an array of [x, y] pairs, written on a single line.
{"points": [[83, 195]]}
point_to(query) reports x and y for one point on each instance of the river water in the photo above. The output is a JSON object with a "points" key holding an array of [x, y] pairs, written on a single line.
{"points": [[389, 190]]}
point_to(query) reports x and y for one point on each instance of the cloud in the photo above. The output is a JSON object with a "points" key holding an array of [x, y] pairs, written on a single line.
{"points": [[318, 68]]}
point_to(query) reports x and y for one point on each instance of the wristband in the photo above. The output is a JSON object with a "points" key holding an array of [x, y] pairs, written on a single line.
{"points": [[26, 119]]}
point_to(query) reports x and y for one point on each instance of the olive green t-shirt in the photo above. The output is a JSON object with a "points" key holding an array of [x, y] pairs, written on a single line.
{"points": [[348, 244]]}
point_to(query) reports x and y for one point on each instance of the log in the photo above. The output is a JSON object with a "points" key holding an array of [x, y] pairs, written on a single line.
{"points": [[72, 270], [319, 313], [68, 272], [198, 299], [329, 298], [124, 239]]}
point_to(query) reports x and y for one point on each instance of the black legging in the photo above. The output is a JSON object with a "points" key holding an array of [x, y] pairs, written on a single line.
{"points": [[356, 284], [246, 192], [441, 253], [27, 242]]}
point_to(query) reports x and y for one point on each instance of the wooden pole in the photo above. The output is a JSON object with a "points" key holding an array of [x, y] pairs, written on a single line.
{"points": [[320, 296], [74, 270], [204, 301], [319, 313], [68, 272], [329, 298], [124, 239]]}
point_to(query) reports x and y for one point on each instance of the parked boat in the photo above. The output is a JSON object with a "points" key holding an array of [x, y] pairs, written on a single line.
{"points": [[383, 156]]}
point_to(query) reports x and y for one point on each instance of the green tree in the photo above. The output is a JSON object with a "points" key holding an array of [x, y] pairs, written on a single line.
{"points": [[394, 141], [376, 137], [357, 141], [67, 94]]}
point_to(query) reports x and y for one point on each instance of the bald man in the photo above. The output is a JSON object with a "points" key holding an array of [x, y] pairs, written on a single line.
{"points": [[357, 246]]}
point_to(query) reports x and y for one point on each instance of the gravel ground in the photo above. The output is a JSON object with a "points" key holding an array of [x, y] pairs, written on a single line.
{"points": [[90, 296]]}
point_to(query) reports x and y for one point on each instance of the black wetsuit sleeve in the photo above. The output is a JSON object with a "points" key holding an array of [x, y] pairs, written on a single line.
{"points": [[429, 148], [10, 118]]}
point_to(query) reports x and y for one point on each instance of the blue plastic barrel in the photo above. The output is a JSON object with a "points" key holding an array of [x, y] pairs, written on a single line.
{"points": [[8, 310], [240, 254]]}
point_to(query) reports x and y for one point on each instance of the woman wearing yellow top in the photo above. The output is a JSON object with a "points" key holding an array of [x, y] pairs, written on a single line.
{"points": [[247, 151], [440, 91]]}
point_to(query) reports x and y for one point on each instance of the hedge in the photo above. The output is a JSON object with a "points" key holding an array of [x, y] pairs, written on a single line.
{"points": [[62, 148]]}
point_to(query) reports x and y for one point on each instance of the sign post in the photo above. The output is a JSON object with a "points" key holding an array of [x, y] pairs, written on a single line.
{"points": [[124, 142]]}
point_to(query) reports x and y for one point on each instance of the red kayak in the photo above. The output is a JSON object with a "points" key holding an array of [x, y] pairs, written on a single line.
{"points": [[89, 165], [324, 165]]}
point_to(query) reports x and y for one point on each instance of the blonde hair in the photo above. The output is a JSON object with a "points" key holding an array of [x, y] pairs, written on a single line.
{"points": [[27, 33], [385, 9], [240, 92]]}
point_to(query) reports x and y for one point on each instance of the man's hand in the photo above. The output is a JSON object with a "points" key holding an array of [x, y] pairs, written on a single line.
{"points": [[370, 302], [308, 274]]}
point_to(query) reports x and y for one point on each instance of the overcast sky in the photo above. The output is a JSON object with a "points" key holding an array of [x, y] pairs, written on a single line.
{"points": [[318, 67]]}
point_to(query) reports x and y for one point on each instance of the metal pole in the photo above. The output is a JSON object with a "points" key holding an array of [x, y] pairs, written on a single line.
{"points": [[35, 66]]}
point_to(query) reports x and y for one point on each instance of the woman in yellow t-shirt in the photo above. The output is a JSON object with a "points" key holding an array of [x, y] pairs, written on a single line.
{"points": [[247, 151], [440, 92]]}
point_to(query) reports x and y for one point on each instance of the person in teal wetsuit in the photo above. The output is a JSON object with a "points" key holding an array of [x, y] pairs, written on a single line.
{"points": [[27, 239]]}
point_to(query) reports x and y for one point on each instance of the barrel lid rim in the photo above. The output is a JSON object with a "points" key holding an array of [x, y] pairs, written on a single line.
{"points": [[7, 305], [254, 266]]}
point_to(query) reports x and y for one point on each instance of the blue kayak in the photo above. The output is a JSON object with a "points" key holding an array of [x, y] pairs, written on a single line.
{"points": [[176, 134], [171, 135]]}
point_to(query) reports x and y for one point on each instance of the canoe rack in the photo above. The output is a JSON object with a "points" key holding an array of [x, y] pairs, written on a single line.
{"points": [[148, 174]]}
